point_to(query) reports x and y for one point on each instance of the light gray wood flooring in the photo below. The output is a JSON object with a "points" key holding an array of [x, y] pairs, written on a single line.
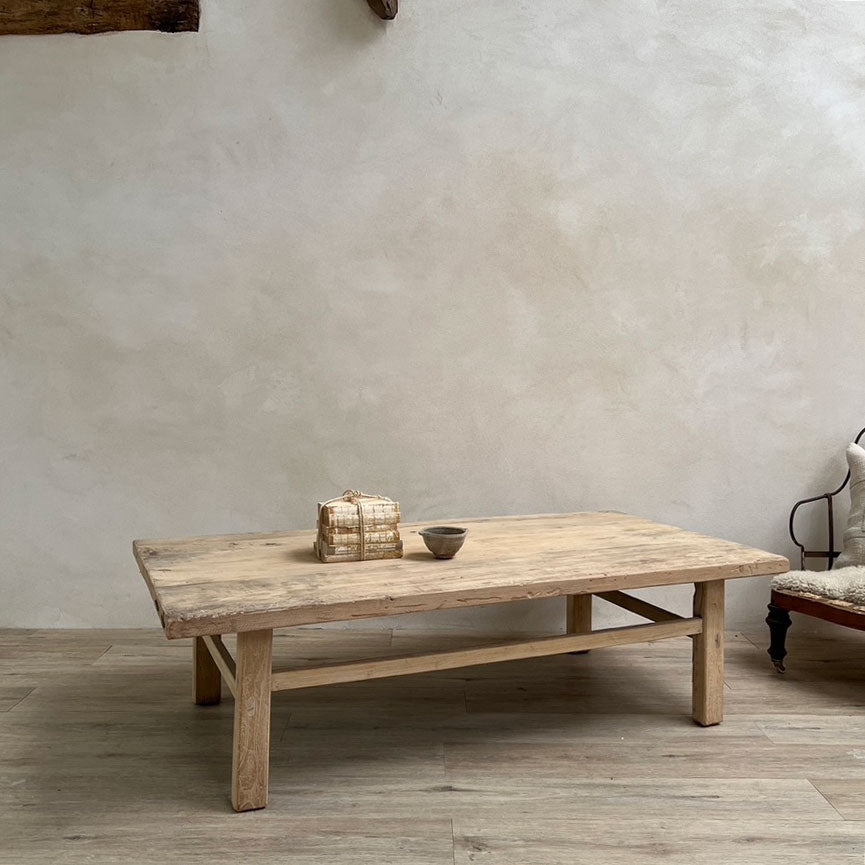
{"points": [[571, 759]]}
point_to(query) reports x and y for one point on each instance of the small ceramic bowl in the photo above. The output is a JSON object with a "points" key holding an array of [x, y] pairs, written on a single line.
{"points": [[443, 542]]}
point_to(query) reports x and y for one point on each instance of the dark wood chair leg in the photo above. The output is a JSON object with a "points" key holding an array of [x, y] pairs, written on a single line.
{"points": [[778, 621]]}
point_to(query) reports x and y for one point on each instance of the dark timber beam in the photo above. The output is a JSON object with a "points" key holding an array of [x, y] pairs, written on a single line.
{"points": [[30, 17]]}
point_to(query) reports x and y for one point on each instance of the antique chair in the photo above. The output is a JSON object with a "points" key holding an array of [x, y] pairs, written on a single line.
{"points": [[837, 594]]}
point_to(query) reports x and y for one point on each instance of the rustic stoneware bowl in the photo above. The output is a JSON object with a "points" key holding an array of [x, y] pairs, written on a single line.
{"points": [[443, 542]]}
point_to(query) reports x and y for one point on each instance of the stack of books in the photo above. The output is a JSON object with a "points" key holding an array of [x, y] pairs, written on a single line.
{"points": [[357, 527]]}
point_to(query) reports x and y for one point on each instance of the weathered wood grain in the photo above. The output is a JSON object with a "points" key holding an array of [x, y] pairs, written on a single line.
{"points": [[223, 660], [251, 750], [250, 584], [234, 583], [381, 668], [29, 17], [206, 679], [578, 617], [638, 606], [708, 654]]}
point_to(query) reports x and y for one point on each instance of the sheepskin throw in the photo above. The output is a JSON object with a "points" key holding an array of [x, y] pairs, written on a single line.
{"points": [[839, 584], [854, 535]]}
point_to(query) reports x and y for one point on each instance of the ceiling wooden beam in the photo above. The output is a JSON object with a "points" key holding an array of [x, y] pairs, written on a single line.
{"points": [[386, 9], [26, 17]]}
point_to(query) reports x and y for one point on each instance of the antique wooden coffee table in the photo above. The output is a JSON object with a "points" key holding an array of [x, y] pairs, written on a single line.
{"points": [[250, 584]]}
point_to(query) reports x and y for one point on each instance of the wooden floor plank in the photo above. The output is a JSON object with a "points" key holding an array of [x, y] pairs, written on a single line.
{"points": [[12, 696], [286, 841], [836, 729], [846, 795], [646, 842], [597, 799], [745, 758], [515, 727], [107, 754]]}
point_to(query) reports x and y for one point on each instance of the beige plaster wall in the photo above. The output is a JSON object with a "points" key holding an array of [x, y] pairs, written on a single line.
{"points": [[494, 257]]}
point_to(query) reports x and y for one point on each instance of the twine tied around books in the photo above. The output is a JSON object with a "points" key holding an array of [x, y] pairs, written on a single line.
{"points": [[356, 497], [353, 495]]}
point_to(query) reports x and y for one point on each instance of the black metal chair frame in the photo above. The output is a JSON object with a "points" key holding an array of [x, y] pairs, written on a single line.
{"points": [[782, 603]]}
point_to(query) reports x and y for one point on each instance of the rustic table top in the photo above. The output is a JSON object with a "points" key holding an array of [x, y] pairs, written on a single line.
{"points": [[234, 583]]}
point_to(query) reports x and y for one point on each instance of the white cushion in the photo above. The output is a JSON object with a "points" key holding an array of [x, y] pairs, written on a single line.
{"points": [[839, 584], [854, 535]]}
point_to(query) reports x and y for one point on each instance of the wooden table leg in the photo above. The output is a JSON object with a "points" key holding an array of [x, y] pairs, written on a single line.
{"points": [[206, 678], [708, 654], [251, 755], [579, 616]]}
